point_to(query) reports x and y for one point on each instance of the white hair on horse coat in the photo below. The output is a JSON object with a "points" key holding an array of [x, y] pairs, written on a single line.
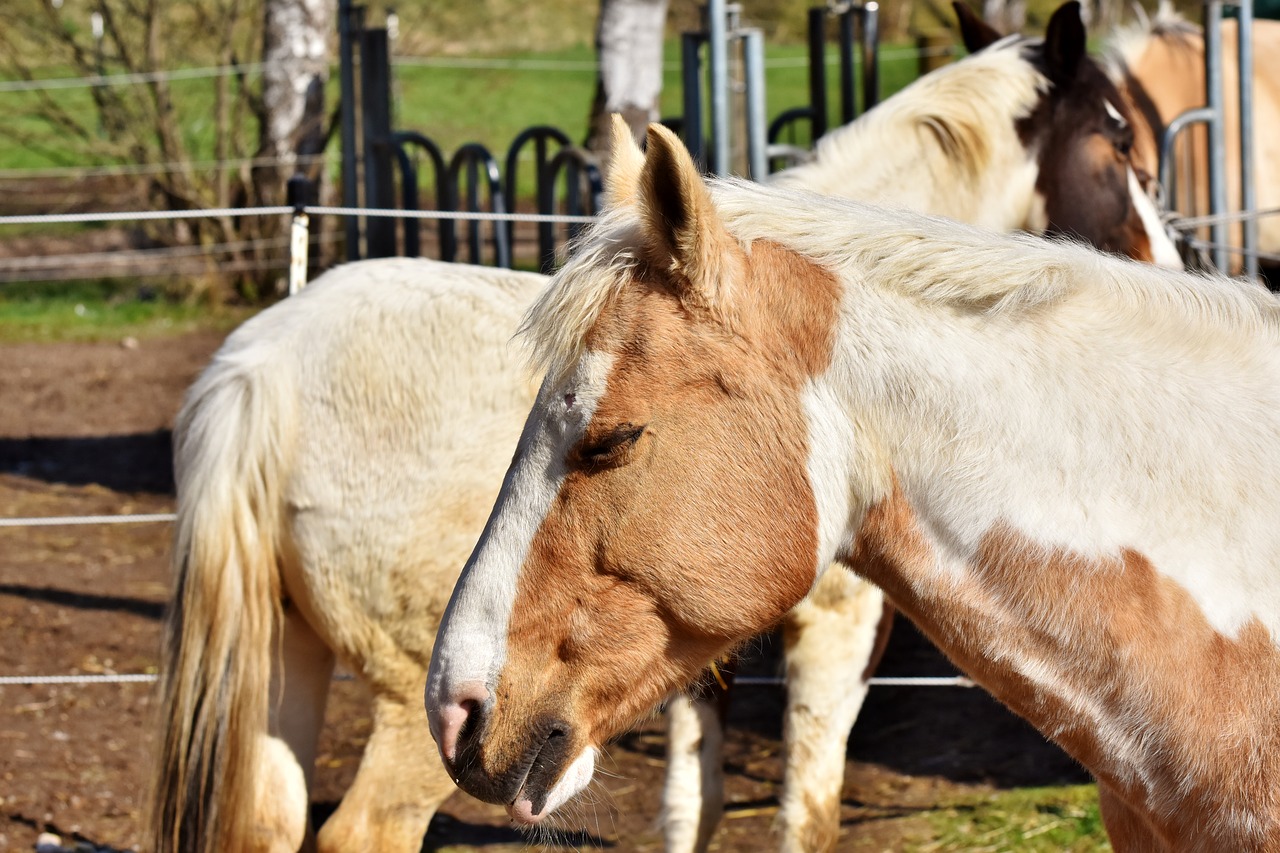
{"points": [[940, 124]]}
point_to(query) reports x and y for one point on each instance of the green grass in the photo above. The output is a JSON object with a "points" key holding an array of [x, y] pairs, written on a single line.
{"points": [[1026, 820], [102, 310], [451, 105], [490, 106]]}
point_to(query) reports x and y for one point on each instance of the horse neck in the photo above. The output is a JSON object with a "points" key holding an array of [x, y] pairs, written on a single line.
{"points": [[882, 159], [988, 420], [1009, 497]]}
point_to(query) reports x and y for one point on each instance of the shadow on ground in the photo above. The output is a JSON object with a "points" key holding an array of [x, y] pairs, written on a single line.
{"points": [[142, 462]]}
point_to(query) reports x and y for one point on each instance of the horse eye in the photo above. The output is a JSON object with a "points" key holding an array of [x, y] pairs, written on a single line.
{"points": [[1125, 143], [609, 447]]}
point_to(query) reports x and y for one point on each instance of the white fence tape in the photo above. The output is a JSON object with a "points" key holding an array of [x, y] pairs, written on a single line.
{"points": [[57, 521], [742, 680], [284, 210], [26, 680]]}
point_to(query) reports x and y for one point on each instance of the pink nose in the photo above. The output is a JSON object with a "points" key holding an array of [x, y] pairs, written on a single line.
{"points": [[457, 718]]}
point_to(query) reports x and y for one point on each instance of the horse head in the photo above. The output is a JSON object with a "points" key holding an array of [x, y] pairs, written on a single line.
{"points": [[1023, 134], [1094, 183], [570, 622]]}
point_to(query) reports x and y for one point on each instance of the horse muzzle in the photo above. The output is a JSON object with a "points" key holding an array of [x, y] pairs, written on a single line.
{"points": [[531, 778]]}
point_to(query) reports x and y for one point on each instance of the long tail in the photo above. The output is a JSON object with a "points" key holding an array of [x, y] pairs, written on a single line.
{"points": [[230, 446]]}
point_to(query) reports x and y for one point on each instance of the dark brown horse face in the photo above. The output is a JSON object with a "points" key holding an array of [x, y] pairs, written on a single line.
{"points": [[1083, 136]]}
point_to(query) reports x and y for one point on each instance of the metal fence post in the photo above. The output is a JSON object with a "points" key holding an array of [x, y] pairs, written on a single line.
{"points": [[848, 71], [348, 19], [691, 74], [817, 72], [375, 109], [718, 68], [1217, 141], [870, 55], [757, 121], [1248, 192]]}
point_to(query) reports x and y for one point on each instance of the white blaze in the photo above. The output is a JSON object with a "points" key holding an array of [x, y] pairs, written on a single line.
{"points": [[471, 645], [1163, 251]]}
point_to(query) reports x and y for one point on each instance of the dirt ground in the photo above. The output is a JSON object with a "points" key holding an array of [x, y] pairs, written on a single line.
{"points": [[84, 430]]}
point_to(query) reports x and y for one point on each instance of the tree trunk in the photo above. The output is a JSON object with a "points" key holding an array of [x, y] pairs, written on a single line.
{"points": [[295, 53], [629, 77], [1007, 16]]}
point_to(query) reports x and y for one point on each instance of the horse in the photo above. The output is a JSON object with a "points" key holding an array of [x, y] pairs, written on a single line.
{"points": [[1158, 66], [1066, 112], [1061, 465], [297, 482]]}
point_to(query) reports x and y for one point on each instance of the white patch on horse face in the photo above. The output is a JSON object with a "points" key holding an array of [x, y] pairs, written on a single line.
{"points": [[471, 645], [576, 777], [1114, 113], [1163, 251]]}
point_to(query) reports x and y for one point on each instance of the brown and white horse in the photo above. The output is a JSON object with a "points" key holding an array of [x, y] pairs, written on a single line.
{"points": [[1063, 466], [1158, 65], [1063, 167], [332, 479]]}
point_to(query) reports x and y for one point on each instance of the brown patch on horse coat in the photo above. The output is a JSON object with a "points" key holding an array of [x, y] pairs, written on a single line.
{"points": [[600, 600], [1115, 662]]}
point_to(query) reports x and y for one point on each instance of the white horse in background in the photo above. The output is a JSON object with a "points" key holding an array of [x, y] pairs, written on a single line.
{"points": [[336, 461]]}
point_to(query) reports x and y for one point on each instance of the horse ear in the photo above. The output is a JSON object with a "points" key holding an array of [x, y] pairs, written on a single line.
{"points": [[1064, 42], [683, 228], [622, 180], [974, 32]]}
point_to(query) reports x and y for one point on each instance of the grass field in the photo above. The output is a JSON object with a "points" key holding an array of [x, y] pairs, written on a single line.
{"points": [[112, 309], [449, 103], [1027, 820]]}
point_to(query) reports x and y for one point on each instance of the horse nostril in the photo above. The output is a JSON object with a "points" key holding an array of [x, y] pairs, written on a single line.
{"points": [[457, 723], [471, 723]]}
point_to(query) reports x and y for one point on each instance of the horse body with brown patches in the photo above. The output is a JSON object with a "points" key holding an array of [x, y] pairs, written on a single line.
{"points": [[1159, 67], [1062, 466]]}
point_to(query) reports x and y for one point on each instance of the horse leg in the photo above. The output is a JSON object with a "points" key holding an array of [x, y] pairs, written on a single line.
{"points": [[833, 640], [693, 794], [400, 784], [300, 679], [1128, 832]]}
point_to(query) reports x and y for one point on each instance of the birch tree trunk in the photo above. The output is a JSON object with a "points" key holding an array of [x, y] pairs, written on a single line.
{"points": [[629, 77], [1007, 16], [295, 55]]}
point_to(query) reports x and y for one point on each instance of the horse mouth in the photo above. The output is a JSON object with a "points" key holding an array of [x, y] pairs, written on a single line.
{"points": [[545, 770]]}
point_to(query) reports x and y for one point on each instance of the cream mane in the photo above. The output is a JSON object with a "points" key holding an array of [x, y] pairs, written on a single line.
{"points": [[935, 260], [554, 330], [940, 123]]}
